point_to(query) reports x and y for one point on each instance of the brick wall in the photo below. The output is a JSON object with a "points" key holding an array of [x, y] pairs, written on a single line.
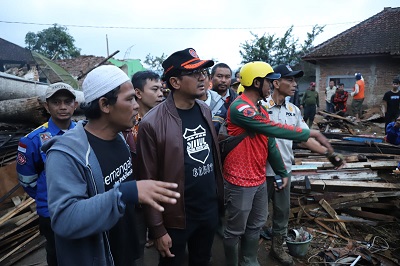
{"points": [[378, 73]]}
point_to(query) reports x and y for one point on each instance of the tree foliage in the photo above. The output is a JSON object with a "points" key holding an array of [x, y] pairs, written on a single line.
{"points": [[155, 63], [54, 42], [275, 50]]}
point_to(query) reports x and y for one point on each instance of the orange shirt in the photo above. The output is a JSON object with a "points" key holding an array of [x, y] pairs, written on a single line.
{"points": [[361, 87]]}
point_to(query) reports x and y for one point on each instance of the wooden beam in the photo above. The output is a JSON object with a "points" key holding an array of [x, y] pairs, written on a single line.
{"points": [[19, 246], [370, 215], [16, 210], [336, 202], [354, 184], [340, 175], [332, 213], [3, 236]]}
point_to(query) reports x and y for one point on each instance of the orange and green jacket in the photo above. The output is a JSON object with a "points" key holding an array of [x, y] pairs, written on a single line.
{"points": [[245, 164]]}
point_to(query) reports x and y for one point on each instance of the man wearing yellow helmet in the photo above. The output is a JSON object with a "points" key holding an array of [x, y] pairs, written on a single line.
{"points": [[244, 167]]}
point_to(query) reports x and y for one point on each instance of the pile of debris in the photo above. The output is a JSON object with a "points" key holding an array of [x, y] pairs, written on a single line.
{"points": [[19, 233], [353, 213]]}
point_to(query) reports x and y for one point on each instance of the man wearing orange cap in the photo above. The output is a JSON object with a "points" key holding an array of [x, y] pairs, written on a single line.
{"points": [[177, 143]]}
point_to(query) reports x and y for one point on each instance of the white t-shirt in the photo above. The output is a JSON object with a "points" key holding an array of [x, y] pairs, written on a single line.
{"points": [[329, 93]]}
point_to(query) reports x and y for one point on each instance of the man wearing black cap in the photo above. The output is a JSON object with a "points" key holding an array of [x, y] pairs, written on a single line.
{"points": [[284, 112], [176, 142], [391, 103]]}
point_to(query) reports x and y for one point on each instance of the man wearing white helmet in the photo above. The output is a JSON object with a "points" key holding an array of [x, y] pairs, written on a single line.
{"points": [[244, 167], [91, 191]]}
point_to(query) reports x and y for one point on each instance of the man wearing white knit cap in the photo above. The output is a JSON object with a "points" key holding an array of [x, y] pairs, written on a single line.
{"points": [[91, 201]]}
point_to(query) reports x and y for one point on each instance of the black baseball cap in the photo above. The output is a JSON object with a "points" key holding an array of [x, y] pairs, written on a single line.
{"points": [[286, 71], [184, 60]]}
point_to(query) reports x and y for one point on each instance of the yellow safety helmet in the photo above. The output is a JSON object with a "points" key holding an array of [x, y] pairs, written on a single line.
{"points": [[256, 69], [240, 89]]}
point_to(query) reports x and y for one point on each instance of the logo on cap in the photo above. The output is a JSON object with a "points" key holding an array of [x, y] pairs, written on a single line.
{"points": [[289, 68], [193, 53]]}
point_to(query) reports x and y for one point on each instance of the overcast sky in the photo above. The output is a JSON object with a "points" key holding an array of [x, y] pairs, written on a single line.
{"points": [[214, 28]]}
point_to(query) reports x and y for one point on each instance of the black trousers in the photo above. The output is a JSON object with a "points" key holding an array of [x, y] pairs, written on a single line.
{"points": [[199, 237], [47, 232]]}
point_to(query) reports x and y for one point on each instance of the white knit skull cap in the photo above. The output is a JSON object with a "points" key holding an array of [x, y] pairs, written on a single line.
{"points": [[102, 80]]}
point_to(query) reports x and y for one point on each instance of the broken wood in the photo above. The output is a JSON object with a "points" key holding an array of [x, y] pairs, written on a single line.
{"points": [[16, 210], [352, 184], [333, 214], [336, 202], [19, 246], [371, 215], [353, 175]]}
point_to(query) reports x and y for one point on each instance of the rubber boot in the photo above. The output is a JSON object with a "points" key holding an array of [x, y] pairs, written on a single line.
{"points": [[278, 253], [249, 252], [231, 254]]}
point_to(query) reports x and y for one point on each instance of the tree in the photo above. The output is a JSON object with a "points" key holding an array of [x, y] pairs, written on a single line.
{"points": [[155, 63], [54, 42], [257, 49], [275, 50]]}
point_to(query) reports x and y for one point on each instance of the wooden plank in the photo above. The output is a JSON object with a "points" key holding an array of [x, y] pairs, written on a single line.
{"points": [[17, 236], [354, 184], [296, 168], [357, 202], [33, 218], [345, 119], [370, 215], [30, 247], [332, 213], [378, 194], [16, 210], [340, 175], [387, 164], [19, 246], [336, 202]]}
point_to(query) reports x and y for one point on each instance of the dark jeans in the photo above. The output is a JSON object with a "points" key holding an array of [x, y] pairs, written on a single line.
{"points": [[47, 232], [199, 236], [330, 107], [309, 114]]}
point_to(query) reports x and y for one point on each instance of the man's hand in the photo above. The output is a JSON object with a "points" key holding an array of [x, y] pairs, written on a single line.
{"points": [[336, 159], [284, 183], [153, 192], [163, 244], [321, 139]]}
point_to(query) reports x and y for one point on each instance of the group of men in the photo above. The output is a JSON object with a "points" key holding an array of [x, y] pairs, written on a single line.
{"points": [[141, 167]]}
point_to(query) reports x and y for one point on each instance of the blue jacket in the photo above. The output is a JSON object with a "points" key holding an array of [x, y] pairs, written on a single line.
{"points": [[81, 210], [393, 133], [31, 160]]}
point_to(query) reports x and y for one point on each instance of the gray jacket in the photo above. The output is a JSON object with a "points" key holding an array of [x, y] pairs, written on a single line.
{"points": [[81, 211]]}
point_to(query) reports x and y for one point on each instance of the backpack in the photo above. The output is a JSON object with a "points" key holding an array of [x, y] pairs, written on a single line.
{"points": [[227, 142]]}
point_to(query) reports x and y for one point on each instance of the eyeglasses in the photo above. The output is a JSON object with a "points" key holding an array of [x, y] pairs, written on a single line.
{"points": [[195, 73]]}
